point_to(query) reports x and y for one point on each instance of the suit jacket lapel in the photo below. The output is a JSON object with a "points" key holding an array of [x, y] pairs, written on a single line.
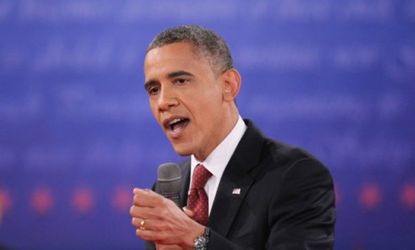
{"points": [[236, 180], [185, 183]]}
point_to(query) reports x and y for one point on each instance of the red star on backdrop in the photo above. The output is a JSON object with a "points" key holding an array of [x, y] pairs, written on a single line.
{"points": [[370, 196], [82, 200], [41, 200], [122, 198], [5, 202], [408, 196]]}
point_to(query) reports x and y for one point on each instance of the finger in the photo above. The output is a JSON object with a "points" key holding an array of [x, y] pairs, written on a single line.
{"points": [[188, 212], [137, 190], [138, 222], [144, 212], [146, 198], [134, 211], [142, 224]]}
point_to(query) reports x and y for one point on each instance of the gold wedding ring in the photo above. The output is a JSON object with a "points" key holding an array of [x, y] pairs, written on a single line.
{"points": [[142, 222]]}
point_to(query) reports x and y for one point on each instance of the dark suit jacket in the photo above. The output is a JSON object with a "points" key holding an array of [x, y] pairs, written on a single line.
{"points": [[286, 198]]}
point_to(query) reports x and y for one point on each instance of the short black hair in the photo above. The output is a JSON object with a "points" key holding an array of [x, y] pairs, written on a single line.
{"points": [[205, 41]]}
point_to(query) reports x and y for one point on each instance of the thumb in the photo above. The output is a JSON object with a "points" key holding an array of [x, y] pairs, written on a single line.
{"points": [[188, 212]]}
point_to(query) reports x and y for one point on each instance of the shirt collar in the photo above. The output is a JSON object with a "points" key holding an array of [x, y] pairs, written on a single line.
{"points": [[220, 156]]}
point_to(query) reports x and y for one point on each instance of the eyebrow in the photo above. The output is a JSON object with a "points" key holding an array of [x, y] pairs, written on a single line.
{"points": [[179, 73], [169, 75]]}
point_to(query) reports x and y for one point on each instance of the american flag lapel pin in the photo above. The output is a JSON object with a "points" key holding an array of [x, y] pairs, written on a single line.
{"points": [[236, 191]]}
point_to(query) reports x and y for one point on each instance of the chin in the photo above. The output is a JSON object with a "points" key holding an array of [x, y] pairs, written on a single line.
{"points": [[182, 151]]}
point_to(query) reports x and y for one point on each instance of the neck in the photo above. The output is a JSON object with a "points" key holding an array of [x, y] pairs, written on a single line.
{"points": [[227, 125]]}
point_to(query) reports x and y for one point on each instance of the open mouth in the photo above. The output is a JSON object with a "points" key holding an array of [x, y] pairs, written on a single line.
{"points": [[177, 124]]}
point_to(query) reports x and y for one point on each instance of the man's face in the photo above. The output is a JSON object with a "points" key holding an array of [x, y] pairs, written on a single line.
{"points": [[186, 98]]}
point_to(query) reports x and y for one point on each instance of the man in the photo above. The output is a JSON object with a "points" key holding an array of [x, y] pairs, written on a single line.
{"points": [[259, 194]]}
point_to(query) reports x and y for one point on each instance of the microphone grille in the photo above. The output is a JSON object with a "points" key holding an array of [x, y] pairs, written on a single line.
{"points": [[169, 179], [168, 172]]}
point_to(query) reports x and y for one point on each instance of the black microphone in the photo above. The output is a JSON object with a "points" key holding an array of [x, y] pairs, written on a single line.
{"points": [[169, 181]]}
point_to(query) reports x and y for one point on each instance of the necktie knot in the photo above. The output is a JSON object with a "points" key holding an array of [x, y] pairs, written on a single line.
{"points": [[200, 177]]}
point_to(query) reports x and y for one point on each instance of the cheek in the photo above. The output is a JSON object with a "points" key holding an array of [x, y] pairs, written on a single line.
{"points": [[206, 114], [209, 100]]}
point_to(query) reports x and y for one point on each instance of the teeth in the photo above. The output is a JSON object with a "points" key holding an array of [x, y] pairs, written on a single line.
{"points": [[174, 121]]}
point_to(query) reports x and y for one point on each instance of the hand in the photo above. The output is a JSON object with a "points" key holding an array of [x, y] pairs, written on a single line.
{"points": [[159, 220], [168, 247]]}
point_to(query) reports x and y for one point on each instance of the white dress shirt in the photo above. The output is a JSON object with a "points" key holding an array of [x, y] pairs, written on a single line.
{"points": [[217, 160]]}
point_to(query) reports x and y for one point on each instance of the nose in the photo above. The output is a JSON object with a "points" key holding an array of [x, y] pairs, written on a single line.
{"points": [[166, 99]]}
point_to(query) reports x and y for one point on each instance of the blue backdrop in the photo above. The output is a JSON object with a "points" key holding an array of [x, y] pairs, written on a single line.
{"points": [[76, 135]]}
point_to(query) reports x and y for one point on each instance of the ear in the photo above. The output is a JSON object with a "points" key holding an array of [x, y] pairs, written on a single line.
{"points": [[231, 84]]}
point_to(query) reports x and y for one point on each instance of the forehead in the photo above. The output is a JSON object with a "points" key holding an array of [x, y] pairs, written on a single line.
{"points": [[175, 56], [174, 51]]}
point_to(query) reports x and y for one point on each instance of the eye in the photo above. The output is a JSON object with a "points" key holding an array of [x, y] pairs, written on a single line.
{"points": [[181, 81], [153, 90]]}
